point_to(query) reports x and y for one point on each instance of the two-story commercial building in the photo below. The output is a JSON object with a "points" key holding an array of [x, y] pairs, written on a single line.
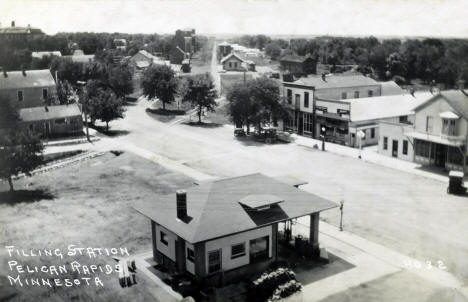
{"points": [[437, 134], [318, 102], [225, 230]]}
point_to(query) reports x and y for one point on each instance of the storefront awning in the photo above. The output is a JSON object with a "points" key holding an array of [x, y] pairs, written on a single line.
{"points": [[449, 115], [444, 140]]}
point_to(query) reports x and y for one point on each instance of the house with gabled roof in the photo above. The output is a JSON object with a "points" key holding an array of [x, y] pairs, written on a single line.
{"points": [[222, 230], [298, 65], [233, 62], [27, 88], [439, 135]]}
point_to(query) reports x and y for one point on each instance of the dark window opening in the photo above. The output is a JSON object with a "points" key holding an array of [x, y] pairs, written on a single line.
{"points": [[237, 250], [385, 143], [306, 99], [214, 261], [405, 147], [163, 238], [190, 255]]}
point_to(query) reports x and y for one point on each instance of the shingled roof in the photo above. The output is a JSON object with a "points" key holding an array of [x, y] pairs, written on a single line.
{"points": [[216, 211], [294, 58], [336, 81], [52, 112], [26, 79], [457, 99]]}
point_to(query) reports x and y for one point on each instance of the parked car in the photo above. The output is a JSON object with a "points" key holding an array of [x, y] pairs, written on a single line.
{"points": [[239, 132], [285, 136], [267, 135], [456, 183]]}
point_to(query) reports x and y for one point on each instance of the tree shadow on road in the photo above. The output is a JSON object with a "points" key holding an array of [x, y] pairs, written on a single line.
{"points": [[20, 196], [202, 124], [110, 132]]}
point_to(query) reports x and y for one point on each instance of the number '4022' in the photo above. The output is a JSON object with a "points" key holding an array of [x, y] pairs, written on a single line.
{"points": [[427, 264]]}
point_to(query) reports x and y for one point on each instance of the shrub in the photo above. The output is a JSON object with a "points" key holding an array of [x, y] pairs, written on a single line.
{"points": [[263, 288]]}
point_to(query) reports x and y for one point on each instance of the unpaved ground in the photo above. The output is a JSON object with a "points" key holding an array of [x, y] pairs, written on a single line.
{"points": [[85, 205]]}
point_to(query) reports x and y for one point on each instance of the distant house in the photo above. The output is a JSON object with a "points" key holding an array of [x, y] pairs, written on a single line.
{"points": [[143, 59], [29, 88], [225, 230], [224, 49], [434, 133], [120, 44], [298, 65], [232, 62], [78, 56], [17, 33], [52, 120], [41, 54]]}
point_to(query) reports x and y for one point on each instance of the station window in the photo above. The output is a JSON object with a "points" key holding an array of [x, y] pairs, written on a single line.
{"points": [[163, 238], [405, 147], [385, 143], [214, 261], [20, 96], [237, 250], [190, 255]]}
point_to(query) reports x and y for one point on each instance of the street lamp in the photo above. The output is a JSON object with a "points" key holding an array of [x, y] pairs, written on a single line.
{"points": [[360, 135], [83, 83], [323, 131]]}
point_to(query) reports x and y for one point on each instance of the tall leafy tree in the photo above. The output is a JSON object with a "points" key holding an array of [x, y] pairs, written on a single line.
{"points": [[159, 82], [20, 150], [201, 93], [104, 105], [120, 81], [257, 102]]}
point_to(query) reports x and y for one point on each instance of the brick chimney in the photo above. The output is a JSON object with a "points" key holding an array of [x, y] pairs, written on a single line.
{"points": [[181, 199]]}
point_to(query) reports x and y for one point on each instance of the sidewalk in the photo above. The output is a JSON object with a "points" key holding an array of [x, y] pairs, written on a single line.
{"points": [[371, 156], [162, 291], [372, 261]]}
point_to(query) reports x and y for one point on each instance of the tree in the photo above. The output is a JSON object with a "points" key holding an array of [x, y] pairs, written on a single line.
{"points": [[240, 103], [105, 106], [256, 102], [200, 92], [273, 50], [159, 82], [20, 150], [120, 81]]}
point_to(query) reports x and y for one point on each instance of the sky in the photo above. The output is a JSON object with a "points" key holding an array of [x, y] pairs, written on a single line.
{"points": [[435, 18]]}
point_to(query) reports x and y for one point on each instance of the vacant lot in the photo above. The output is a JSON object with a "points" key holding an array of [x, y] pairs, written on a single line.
{"points": [[87, 205]]}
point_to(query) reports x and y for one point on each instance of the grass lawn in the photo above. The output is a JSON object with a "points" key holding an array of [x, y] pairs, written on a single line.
{"points": [[87, 205]]}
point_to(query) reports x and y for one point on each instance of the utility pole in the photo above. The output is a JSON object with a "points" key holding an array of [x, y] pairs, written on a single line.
{"points": [[341, 217], [82, 83]]}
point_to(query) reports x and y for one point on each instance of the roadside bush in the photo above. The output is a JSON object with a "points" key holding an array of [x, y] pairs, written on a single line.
{"points": [[273, 283]]}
